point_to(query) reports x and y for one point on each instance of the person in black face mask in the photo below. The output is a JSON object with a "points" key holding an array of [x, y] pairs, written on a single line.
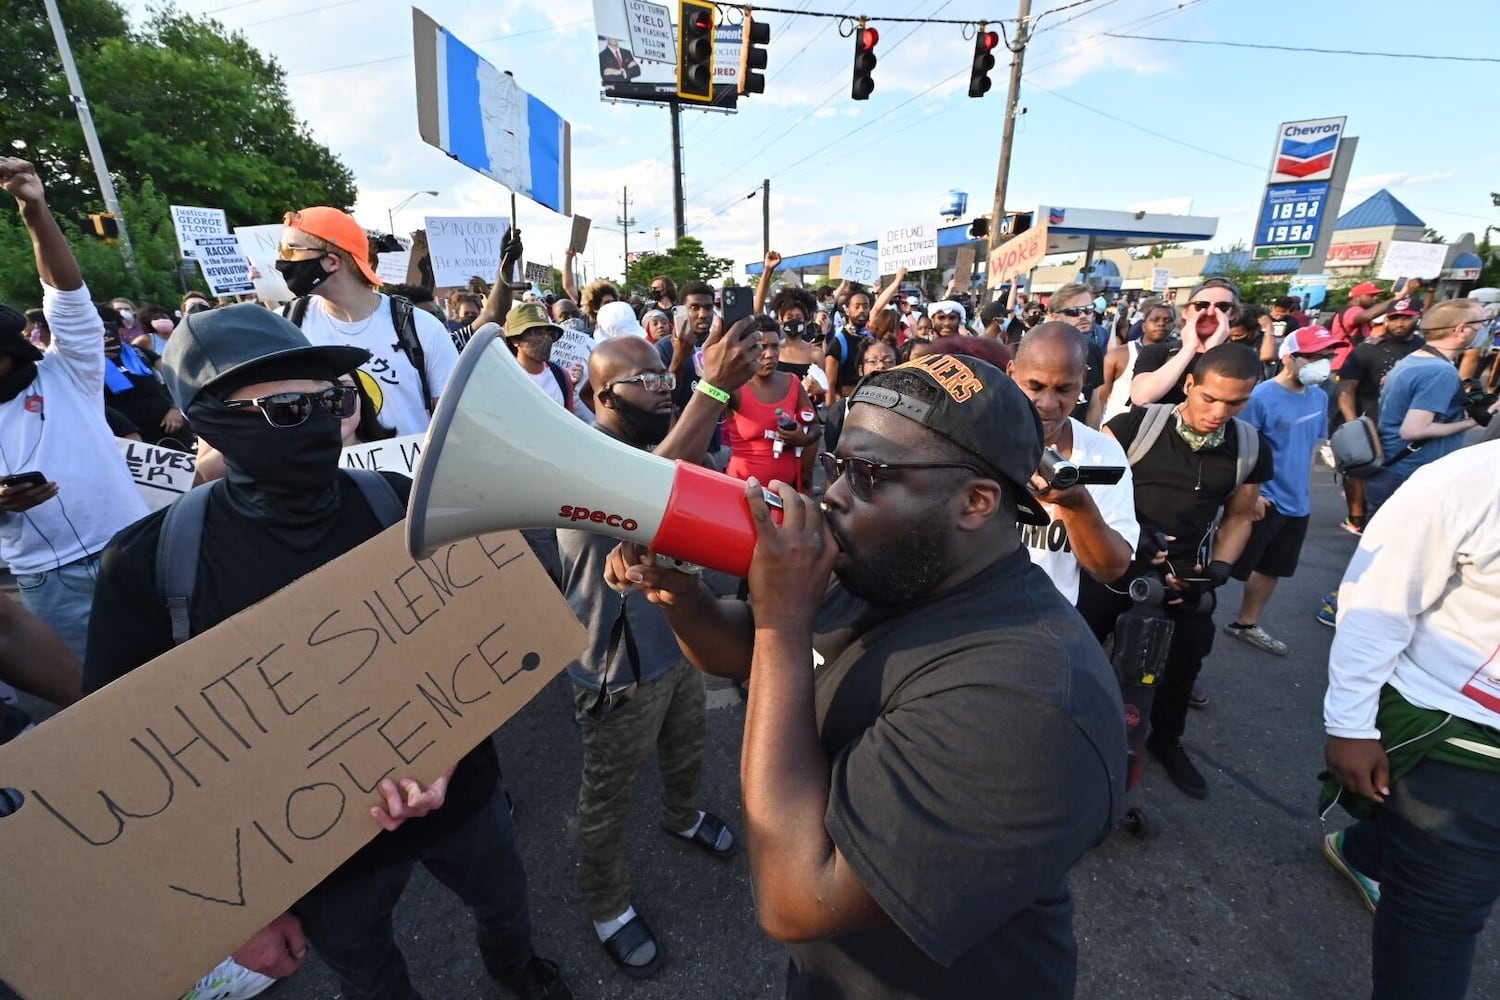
{"points": [[271, 404]]}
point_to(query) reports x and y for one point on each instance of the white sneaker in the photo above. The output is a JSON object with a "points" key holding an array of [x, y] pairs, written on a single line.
{"points": [[1256, 636], [1325, 451], [229, 981]]}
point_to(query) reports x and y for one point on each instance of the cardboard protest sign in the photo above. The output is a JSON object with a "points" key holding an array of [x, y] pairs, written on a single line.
{"points": [[580, 235], [168, 817], [419, 271], [161, 474], [538, 274], [1161, 277], [394, 266], [464, 247], [224, 265], [192, 223], [963, 267], [1017, 256], [1407, 259], [859, 264], [573, 348], [911, 247], [260, 244], [397, 454]]}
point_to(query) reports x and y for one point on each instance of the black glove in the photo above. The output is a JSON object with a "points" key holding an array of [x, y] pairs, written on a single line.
{"points": [[1479, 410], [1217, 573], [511, 251]]}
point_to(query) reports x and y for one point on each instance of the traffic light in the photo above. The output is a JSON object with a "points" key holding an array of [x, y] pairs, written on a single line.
{"points": [[984, 61], [979, 229], [865, 40], [753, 55], [695, 50]]}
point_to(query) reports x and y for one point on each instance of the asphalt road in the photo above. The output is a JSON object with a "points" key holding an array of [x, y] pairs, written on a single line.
{"points": [[1230, 900]]}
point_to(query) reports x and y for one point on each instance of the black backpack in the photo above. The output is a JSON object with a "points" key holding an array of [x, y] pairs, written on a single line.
{"points": [[402, 318], [182, 537]]}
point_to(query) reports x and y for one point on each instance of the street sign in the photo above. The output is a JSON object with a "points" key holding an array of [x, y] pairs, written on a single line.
{"points": [[1290, 217]]}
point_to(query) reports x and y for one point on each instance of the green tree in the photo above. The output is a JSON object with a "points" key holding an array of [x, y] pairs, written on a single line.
{"points": [[1255, 285], [687, 261], [180, 104]]}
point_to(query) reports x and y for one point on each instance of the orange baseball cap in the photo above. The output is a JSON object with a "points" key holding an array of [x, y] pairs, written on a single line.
{"points": [[340, 229]]}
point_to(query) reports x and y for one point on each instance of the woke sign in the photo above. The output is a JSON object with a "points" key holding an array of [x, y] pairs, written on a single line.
{"points": [[171, 815]]}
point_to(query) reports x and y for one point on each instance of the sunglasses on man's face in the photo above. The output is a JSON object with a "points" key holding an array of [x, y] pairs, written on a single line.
{"points": [[1073, 312], [291, 409], [1204, 306], [288, 251], [863, 473]]}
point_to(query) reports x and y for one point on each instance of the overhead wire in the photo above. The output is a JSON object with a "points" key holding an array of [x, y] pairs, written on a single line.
{"points": [[1301, 49]]}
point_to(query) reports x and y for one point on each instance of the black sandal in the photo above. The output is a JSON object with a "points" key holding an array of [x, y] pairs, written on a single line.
{"points": [[707, 836], [624, 943]]}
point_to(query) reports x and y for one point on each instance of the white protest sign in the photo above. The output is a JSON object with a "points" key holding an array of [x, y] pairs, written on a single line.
{"points": [[650, 27], [464, 247], [1406, 259], [398, 454], [572, 348], [259, 244], [224, 265], [538, 274], [911, 247], [859, 264], [1161, 277], [161, 474], [192, 223], [393, 267]]}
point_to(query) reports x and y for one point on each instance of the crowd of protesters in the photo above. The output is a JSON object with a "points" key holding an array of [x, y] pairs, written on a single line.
{"points": [[947, 585]]}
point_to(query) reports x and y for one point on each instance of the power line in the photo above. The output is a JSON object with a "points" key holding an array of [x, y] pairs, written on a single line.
{"points": [[883, 19], [1304, 49]]}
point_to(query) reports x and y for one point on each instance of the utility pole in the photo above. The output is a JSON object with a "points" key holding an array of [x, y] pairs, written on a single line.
{"points": [[765, 216], [90, 137], [1008, 130], [625, 222], [678, 218]]}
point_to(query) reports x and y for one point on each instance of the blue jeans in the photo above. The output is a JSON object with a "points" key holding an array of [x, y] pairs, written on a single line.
{"points": [[63, 598], [1435, 849], [349, 923]]}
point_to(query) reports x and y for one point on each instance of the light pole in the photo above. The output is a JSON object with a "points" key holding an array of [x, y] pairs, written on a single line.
{"points": [[390, 215]]}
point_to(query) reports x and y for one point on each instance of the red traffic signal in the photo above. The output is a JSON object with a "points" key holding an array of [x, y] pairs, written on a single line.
{"points": [[979, 72], [695, 50], [865, 40]]}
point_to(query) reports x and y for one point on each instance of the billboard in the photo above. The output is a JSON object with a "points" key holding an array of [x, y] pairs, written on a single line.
{"points": [[1305, 150], [636, 42]]}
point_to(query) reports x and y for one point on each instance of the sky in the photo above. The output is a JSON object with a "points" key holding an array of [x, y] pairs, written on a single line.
{"points": [[1109, 123]]}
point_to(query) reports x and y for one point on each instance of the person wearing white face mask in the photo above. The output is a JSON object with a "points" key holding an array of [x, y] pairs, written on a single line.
{"points": [[1291, 412]]}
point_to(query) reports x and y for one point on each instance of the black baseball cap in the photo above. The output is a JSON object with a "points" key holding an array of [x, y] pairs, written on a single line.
{"points": [[239, 345], [979, 409]]}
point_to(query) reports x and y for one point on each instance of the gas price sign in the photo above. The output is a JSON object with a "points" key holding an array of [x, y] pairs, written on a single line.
{"points": [[1289, 220]]}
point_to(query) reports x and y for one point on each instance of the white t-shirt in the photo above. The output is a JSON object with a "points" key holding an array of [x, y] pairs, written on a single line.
{"points": [[404, 408], [1417, 605], [1050, 547], [56, 426], [547, 382]]}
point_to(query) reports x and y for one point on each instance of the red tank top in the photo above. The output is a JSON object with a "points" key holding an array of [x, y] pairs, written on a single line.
{"points": [[751, 452]]}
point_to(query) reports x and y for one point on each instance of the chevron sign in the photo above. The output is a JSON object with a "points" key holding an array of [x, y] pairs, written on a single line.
{"points": [[1305, 150]]}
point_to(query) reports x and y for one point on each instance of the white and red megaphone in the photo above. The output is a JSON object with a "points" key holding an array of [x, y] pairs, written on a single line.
{"points": [[500, 454]]}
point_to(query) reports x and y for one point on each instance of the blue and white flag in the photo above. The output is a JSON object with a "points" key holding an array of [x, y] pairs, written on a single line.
{"points": [[483, 119]]}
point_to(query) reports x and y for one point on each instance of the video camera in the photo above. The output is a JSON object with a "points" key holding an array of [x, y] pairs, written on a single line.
{"points": [[1060, 474]]}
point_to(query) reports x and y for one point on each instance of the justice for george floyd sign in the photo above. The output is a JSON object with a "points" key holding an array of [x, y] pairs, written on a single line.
{"points": [[191, 223], [166, 818]]}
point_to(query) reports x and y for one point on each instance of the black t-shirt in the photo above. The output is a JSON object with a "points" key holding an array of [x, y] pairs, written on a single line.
{"points": [[1154, 356], [845, 346], [1369, 364], [1093, 378], [978, 748], [241, 564], [120, 425], [1178, 491], [144, 404]]}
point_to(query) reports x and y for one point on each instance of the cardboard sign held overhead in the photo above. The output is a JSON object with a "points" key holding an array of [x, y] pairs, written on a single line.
{"points": [[464, 248], [859, 264], [191, 223], [168, 817], [224, 265], [1410, 259], [394, 265], [538, 274], [580, 236], [963, 267], [912, 247]]}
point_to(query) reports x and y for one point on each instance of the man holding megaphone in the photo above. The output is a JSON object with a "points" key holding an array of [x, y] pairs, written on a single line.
{"points": [[632, 687], [914, 802]]}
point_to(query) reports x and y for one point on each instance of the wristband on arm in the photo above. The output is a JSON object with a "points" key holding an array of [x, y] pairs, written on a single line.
{"points": [[712, 391]]}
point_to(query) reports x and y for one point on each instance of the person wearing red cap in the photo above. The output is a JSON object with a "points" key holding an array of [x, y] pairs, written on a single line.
{"points": [[1291, 412], [324, 258], [1360, 380], [1367, 300]]}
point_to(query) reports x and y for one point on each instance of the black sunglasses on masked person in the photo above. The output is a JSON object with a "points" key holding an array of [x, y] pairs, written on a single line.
{"points": [[291, 409], [864, 473]]}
